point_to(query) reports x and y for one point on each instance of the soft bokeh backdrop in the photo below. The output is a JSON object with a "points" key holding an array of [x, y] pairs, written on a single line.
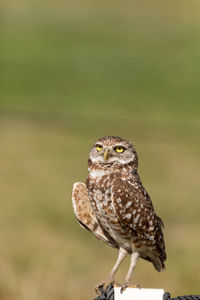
{"points": [[71, 72]]}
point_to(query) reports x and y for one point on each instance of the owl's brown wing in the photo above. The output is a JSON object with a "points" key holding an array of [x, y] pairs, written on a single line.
{"points": [[85, 214], [135, 213]]}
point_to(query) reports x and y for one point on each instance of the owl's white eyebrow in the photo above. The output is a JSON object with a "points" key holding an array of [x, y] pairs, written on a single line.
{"points": [[120, 146]]}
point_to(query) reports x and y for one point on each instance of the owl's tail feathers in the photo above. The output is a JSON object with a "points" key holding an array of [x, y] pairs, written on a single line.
{"points": [[158, 264], [85, 215], [157, 261]]}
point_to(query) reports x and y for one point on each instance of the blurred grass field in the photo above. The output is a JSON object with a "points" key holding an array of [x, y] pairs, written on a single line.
{"points": [[72, 72]]}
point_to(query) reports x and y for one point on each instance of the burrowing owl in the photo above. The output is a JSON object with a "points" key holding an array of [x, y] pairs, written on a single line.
{"points": [[116, 208]]}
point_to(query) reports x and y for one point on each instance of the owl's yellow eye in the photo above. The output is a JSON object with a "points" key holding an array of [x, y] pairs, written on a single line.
{"points": [[119, 149], [99, 147]]}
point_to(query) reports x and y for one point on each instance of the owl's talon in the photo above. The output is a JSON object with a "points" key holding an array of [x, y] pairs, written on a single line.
{"points": [[101, 287], [107, 284], [123, 288]]}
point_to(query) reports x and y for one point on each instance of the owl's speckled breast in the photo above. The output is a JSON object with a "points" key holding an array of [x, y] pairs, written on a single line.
{"points": [[99, 190], [99, 185]]}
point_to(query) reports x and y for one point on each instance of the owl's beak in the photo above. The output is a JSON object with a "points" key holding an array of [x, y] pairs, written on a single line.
{"points": [[106, 154]]}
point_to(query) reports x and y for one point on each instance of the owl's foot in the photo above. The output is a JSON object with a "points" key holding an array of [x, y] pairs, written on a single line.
{"points": [[104, 285], [126, 285]]}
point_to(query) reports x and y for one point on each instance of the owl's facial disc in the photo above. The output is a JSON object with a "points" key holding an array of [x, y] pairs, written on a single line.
{"points": [[113, 150], [108, 154]]}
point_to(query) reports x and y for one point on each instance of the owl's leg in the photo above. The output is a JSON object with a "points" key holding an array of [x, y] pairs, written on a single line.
{"points": [[121, 256], [134, 259]]}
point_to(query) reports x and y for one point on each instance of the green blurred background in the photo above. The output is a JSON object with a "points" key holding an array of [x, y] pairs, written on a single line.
{"points": [[71, 72]]}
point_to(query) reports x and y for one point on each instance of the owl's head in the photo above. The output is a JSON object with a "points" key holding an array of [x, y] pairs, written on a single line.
{"points": [[113, 150]]}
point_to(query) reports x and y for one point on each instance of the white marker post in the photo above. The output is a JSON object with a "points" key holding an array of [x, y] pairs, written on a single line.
{"points": [[138, 294]]}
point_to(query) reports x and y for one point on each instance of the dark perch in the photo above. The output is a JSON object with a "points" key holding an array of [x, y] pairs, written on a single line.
{"points": [[108, 294]]}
